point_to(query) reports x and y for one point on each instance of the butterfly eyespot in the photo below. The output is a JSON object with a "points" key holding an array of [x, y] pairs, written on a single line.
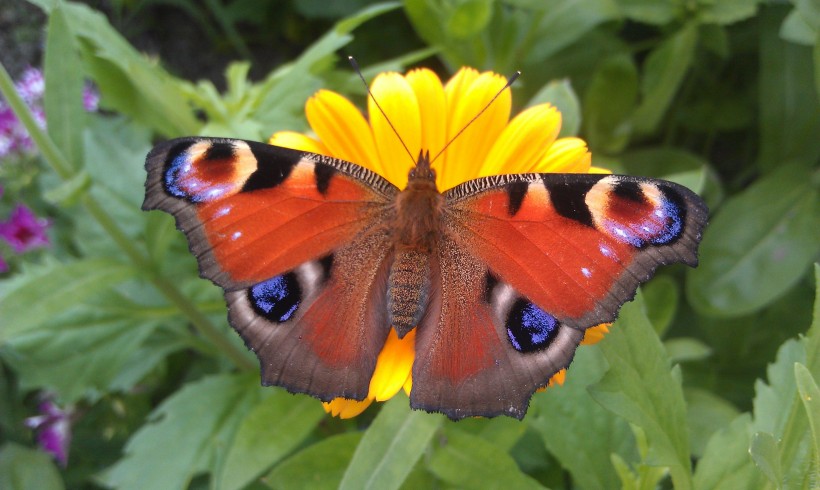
{"points": [[206, 171], [530, 328], [636, 213], [276, 299]]}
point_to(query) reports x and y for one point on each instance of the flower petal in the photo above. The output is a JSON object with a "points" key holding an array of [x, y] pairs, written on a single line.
{"points": [[566, 155], [393, 366], [558, 378], [342, 129], [595, 334], [298, 141], [345, 408], [398, 100], [523, 142], [432, 107], [468, 151]]}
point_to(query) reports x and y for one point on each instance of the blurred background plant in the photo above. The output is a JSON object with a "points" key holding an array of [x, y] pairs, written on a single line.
{"points": [[118, 369]]}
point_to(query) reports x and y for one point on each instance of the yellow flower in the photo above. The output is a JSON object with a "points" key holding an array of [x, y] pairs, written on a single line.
{"points": [[428, 114]]}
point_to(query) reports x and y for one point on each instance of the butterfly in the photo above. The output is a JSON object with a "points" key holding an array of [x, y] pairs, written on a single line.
{"points": [[319, 258]]}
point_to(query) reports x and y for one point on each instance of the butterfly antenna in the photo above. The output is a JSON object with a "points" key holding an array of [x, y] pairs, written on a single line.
{"points": [[510, 81], [355, 66]]}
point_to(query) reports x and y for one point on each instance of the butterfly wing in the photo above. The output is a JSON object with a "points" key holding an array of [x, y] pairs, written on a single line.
{"points": [[526, 264], [299, 244]]}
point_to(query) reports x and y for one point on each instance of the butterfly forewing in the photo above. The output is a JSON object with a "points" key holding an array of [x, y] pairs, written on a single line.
{"points": [[577, 245]]}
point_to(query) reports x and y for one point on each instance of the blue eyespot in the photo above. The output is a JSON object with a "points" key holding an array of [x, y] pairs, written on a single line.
{"points": [[529, 327], [278, 298]]}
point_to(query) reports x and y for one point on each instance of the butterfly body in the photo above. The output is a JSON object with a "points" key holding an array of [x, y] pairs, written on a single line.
{"points": [[499, 276]]}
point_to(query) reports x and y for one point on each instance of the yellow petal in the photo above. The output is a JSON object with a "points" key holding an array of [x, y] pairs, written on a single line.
{"points": [[345, 408], [393, 366], [298, 141], [408, 385], [599, 170], [465, 156], [523, 142], [433, 108], [398, 100], [566, 155], [342, 129], [558, 378], [595, 334]]}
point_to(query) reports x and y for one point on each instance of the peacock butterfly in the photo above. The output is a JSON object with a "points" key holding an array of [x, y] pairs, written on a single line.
{"points": [[501, 275]]}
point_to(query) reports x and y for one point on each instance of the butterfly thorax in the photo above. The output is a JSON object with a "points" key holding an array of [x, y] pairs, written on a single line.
{"points": [[416, 231], [418, 210]]}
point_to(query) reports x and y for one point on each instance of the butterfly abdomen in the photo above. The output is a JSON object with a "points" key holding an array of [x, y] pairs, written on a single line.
{"points": [[408, 289]]}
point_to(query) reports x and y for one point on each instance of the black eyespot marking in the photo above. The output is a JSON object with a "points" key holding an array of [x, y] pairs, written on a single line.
{"points": [[529, 327], [276, 299], [569, 201], [516, 192], [219, 151], [629, 190], [490, 281], [323, 175], [273, 167], [326, 263]]}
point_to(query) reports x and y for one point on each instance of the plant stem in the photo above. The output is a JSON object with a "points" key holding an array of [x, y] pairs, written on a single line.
{"points": [[54, 157]]}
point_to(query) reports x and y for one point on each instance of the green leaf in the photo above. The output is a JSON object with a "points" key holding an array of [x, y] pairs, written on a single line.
{"points": [[766, 456], [563, 22], [318, 467], [685, 349], [609, 103], [64, 87], [661, 296], [640, 387], [651, 11], [391, 446], [271, 430], [24, 469], [670, 163], [40, 293], [788, 100], [283, 94], [726, 464], [758, 245], [560, 94], [184, 434], [467, 461], [706, 413], [726, 11], [663, 73], [468, 18], [563, 412], [69, 192], [810, 396], [128, 82], [796, 29], [79, 353]]}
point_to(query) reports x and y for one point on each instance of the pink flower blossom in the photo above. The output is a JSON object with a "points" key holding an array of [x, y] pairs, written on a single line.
{"points": [[32, 85], [24, 230], [53, 429]]}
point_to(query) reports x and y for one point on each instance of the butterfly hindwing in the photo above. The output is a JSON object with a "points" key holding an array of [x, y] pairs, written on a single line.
{"points": [[478, 348], [298, 242], [577, 245]]}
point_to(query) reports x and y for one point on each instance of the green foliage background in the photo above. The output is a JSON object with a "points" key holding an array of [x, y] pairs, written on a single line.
{"points": [[708, 380]]}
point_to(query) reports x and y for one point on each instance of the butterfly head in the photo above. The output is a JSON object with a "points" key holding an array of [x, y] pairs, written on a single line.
{"points": [[422, 171]]}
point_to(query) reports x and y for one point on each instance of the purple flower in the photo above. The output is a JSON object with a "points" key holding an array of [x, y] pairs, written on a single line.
{"points": [[31, 85], [91, 98], [53, 429], [24, 230]]}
